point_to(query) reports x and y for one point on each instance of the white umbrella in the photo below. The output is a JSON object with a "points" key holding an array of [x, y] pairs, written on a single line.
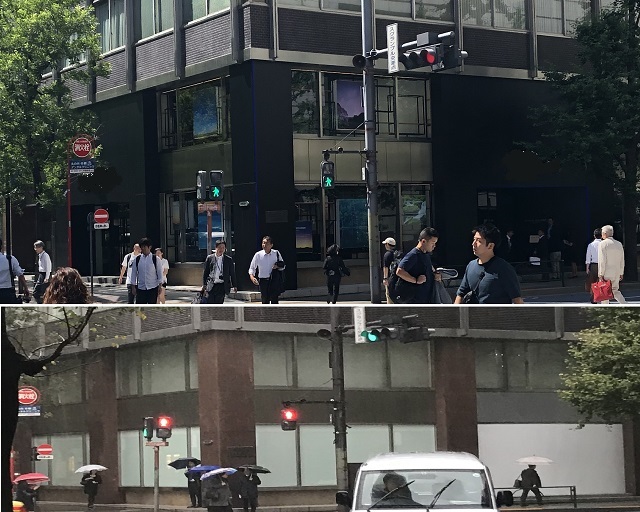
{"points": [[535, 461], [90, 467], [219, 471]]}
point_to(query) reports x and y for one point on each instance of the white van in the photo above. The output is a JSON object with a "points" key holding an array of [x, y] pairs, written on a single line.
{"points": [[449, 481]]}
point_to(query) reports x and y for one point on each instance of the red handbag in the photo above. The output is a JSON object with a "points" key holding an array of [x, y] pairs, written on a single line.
{"points": [[602, 291]]}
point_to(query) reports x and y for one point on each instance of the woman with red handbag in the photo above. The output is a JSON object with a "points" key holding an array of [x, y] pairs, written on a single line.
{"points": [[610, 266]]}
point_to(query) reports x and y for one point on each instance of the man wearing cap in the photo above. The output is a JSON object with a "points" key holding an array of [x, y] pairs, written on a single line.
{"points": [[219, 276], [390, 246]]}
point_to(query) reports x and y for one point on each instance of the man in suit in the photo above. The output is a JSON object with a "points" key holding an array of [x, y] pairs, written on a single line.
{"points": [[611, 262], [219, 276]]}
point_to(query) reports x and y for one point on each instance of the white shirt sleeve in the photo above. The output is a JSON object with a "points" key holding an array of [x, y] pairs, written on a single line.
{"points": [[46, 264], [254, 264]]}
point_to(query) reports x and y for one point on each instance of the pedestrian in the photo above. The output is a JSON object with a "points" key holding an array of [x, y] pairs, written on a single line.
{"points": [[91, 481], [266, 270], [162, 290], [334, 268], [66, 287], [147, 274], [27, 494], [530, 483], [9, 270], [488, 279], [219, 275], [390, 246], [569, 254], [193, 483], [542, 252], [611, 262], [591, 261], [216, 495], [415, 272], [127, 265], [554, 236], [44, 271], [249, 483]]}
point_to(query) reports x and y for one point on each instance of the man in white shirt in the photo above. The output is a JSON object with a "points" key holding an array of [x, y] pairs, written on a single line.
{"points": [[7, 274], [147, 274], [611, 262], [127, 265], [591, 260], [44, 271], [263, 264]]}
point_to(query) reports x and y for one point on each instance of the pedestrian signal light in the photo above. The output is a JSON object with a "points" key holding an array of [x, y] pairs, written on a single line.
{"points": [[201, 185], [289, 419], [328, 174], [34, 453], [148, 424], [216, 185], [163, 428]]}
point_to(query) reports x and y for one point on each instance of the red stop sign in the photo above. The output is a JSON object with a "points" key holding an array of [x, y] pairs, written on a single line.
{"points": [[45, 449], [101, 215], [28, 395], [82, 147]]}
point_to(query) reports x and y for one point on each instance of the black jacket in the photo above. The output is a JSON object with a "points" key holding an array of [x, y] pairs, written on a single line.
{"points": [[228, 271], [91, 483], [249, 486], [530, 478], [334, 266]]}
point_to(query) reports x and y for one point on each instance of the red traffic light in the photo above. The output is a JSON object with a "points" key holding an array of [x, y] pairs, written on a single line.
{"points": [[429, 56], [289, 414], [164, 422]]}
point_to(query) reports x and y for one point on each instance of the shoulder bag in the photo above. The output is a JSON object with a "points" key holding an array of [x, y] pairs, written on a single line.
{"points": [[602, 291]]}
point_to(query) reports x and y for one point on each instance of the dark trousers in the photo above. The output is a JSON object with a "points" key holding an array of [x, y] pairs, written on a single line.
{"points": [[249, 502], [267, 296], [216, 295], [147, 296], [8, 296], [592, 278], [194, 493], [525, 493], [333, 288], [40, 287], [131, 298], [91, 500]]}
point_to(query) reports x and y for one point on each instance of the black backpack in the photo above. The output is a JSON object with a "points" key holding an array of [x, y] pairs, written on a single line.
{"points": [[393, 278], [153, 258]]}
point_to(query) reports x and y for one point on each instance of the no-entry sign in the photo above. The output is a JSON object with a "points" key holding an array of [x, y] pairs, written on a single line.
{"points": [[28, 395], [81, 147], [45, 449], [101, 215]]}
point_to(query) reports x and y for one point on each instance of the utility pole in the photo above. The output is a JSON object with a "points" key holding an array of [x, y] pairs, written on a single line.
{"points": [[339, 409]]}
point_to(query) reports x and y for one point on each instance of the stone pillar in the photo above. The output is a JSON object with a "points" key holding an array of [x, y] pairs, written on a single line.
{"points": [[631, 442], [225, 398], [455, 386], [102, 424]]}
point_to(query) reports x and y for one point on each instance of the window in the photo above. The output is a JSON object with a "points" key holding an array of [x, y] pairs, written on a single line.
{"points": [[410, 365], [276, 450], [411, 107], [317, 460], [310, 352], [440, 10], [365, 441], [494, 13], [153, 17], [272, 360], [69, 455], [393, 8], [414, 438], [415, 203], [559, 16], [65, 381], [304, 102], [111, 24], [196, 9]]}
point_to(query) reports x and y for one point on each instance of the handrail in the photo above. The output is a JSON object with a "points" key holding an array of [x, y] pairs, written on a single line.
{"points": [[572, 491]]}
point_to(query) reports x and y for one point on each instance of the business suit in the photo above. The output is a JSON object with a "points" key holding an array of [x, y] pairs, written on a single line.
{"points": [[217, 291], [611, 265]]}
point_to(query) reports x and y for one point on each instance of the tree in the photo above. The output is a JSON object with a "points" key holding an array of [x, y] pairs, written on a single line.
{"points": [[597, 121], [38, 38], [603, 369]]}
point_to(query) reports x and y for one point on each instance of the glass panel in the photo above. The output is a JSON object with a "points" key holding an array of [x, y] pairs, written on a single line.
{"points": [[364, 366], [549, 16], [410, 365], [546, 362], [217, 5], [199, 111], [510, 14], [393, 8], [117, 24], [146, 26], [385, 106], [165, 15], [194, 449], [343, 5], [516, 360], [575, 10], [416, 214], [177, 448], [129, 449], [40, 466], [193, 364], [194, 9], [304, 102], [102, 13], [300, 3], [489, 365], [312, 371], [411, 108], [476, 12], [276, 450], [365, 441], [352, 223], [69, 456], [64, 382], [127, 367], [272, 359], [434, 10], [317, 456], [162, 368], [414, 438]]}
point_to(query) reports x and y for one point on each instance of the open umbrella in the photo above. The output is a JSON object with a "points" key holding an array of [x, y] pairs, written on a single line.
{"points": [[183, 462], [90, 467], [254, 468], [535, 461], [219, 471], [202, 469], [32, 478]]}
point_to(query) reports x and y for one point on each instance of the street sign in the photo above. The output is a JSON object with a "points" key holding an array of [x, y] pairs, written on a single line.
{"points": [[393, 63], [101, 215], [359, 323], [28, 395], [100, 225], [82, 166], [29, 410], [81, 147], [156, 443], [45, 449], [44, 457], [210, 206]]}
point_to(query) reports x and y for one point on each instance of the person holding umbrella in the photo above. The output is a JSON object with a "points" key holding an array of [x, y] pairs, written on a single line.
{"points": [[249, 482], [193, 483], [216, 495], [91, 481], [27, 493], [530, 482]]}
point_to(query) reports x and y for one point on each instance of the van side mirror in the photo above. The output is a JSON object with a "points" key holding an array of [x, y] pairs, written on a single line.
{"points": [[504, 499], [344, 498]]}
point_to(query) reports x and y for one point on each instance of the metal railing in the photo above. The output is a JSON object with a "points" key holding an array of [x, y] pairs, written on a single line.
{"points": [[573, 497]]}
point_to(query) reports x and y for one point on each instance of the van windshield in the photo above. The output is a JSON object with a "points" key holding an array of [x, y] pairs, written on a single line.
{"points": [[468, 489]]}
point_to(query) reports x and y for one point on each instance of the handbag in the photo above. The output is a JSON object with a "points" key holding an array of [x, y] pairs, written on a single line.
{"points": [[518, 483], [471, 297], [602, 291], [344, 271], [277, 279]]}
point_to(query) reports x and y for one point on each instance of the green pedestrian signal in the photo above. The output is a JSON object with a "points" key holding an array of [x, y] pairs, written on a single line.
{"points": [[215, 192], [328, 182], [216, 185], [147, 427], [328, 179]]}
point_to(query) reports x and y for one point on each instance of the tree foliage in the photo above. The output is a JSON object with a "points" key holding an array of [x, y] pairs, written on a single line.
{"points": [[38, 38], [603, 369]]}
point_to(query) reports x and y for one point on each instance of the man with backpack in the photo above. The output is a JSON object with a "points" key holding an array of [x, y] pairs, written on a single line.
{"points": [[147, 274], [387, 261], [127, 265]]}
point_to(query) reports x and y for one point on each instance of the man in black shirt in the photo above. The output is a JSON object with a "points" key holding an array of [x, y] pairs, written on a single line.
{"points": [[415, 271]]}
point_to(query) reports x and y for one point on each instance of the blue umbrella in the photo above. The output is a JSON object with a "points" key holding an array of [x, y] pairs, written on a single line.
{"points": [[203, 469]]}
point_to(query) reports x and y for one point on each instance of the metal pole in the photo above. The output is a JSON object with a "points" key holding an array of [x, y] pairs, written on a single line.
{"points": [[90, 220], [368, 20], [156, 478], [339, 409], [7, 234], [69, 261], [208, 232]]}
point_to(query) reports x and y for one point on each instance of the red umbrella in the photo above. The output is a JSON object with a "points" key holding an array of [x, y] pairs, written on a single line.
{"points": [[32, 478]]}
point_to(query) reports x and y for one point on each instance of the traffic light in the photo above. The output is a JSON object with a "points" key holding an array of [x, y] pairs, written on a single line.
{"points": [[148, 424], [438, 50], [164, 425], [452, 55], [422, 57], [34, 453], [202, 181], [289, 418], [216, 185], [411, 331], [328, 170], [380, 334]]}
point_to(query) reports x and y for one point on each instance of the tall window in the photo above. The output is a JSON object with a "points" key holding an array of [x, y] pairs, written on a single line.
{"points": [[494, 13], [111, 24], [153, 17], [559, 16], [196, 9], [304, 102], [440, 10]]}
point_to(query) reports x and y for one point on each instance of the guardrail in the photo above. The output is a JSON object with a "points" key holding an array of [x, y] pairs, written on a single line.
{"points": [[573, 497]]}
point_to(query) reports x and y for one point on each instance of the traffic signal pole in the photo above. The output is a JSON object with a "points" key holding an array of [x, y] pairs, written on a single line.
{"points": [[339, 409], [156, 478]]}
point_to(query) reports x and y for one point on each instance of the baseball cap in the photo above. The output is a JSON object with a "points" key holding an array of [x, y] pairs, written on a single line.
{"points": [[390, 241]]}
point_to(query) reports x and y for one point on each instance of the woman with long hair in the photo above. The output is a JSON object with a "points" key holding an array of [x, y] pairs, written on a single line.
{"points": [[334, 268], [66, 287]]}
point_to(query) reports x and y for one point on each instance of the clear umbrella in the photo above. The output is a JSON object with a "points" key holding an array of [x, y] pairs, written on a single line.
{"points": [[90, 467], [219, 471], [534, 461]]}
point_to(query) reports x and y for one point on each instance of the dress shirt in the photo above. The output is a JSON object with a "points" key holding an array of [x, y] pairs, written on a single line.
{"points": [[132, 259], [5, 275], [149, 277], [218, 269], [44, 264], [592, 252], [264, 263]]}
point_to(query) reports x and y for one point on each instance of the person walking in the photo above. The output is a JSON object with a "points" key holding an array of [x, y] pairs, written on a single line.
{"points": [[126, 267], [44, 271], [219, 275], [334, 268], [249, 483], [390, 246], [591, 262], [27, 494], [216, 495], [491, 279], [193, 483], [261, 271], [66, 287], [415, 271], [611, 263], [542, 252], [9, 270], [162, 290], [554, 236], [530, 483], [91, 481], [147, 274]]}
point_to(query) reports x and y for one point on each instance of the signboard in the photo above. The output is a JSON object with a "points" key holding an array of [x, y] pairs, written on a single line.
{"points": [[81, 147], [44, 457], [101, 215], [156, 443], [82, 166], [100, 225], [45, 449], [209, 206], [29, 410], [28, 395], [392, 48], [359, 323]]}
